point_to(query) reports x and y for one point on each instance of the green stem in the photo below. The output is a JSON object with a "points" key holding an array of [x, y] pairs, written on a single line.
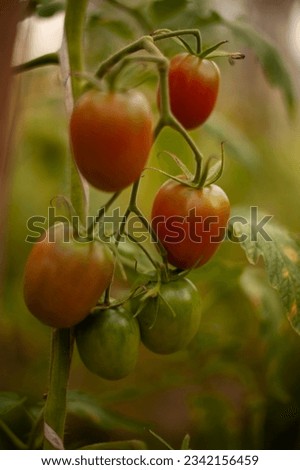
{"points": [[144, 250], [115, 58], [12, 437], [47, 59], [147, 43], [174, 124], [101, 212], [74, 25], [133, 195], [181, 32], [55, 408], [62, 340], [35, 430], [163, 67], [127, 60], [133, 208], [74, 28], [167, 117]]}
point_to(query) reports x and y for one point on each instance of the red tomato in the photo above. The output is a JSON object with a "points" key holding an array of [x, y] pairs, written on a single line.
{"points": [[64, 279], [193, 88], [111, 136], [190, 223]]}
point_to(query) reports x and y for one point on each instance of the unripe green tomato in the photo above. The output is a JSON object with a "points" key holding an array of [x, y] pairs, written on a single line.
{"points": [[108, 343], [169, 321], [63, 280]]}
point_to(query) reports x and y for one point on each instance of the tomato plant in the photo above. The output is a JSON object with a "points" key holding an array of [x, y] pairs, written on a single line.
{"points": [[111, 136], [108, 342], [170, 320], [193, 88], [145, 294], [63, 280], [190, 222]]}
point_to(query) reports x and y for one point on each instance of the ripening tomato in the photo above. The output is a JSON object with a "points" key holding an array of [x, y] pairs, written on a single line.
{"points": [[169, 321], [189, 222], [111, 135], [64, 278], [108, 342], [193, 88]]}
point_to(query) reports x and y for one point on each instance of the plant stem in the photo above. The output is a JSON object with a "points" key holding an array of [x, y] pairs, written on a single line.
{"points": [[133, 208], [174, 124], [115, 58], [74, 26], [55, 409], [181, 32], [47, 59], [62, 340], [134, 240]]}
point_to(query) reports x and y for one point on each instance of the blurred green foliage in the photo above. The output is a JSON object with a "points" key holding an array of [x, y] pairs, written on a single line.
{"points": [[238, 384]]}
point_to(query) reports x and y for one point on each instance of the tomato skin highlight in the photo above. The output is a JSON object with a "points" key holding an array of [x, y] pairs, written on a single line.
{"points": [[190, 223], [193, 88], [166, 330], [108, 343], [64, 280], [111, 135]]}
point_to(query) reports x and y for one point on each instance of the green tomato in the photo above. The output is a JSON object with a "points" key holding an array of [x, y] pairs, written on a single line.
{"points": [[108, 343], [169, 321]]}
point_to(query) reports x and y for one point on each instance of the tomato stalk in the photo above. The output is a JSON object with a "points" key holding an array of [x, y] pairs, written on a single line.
{"points": [[47, 59], [101, 213], [166, 34], [62, 339], [147, 254], [145, 43], [132, 208], [107, 64], [55, 409]]}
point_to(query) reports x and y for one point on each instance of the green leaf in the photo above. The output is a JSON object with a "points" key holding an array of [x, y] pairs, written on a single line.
{"points": [[163, 9], [10, 401], [15, 422], [270, 59], [263, 298], [186, 442], [120, 28], [117, 445], [281, 256], [89, 408], [236, 142], [161, 439], [49, 9]]}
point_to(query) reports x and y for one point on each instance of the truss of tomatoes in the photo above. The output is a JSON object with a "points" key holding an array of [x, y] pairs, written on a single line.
{"points": [[111, 135]]}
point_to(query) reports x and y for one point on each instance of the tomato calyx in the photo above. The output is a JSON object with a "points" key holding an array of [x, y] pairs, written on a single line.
{"points": [[209, 50], [211, 173]]}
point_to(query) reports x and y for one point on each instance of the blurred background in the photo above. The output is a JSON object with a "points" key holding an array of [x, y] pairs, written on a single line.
{"points": [[238, 384]]}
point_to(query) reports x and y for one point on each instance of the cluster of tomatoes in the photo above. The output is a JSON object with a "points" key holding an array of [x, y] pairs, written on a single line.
{"points": [[111, 135]]}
